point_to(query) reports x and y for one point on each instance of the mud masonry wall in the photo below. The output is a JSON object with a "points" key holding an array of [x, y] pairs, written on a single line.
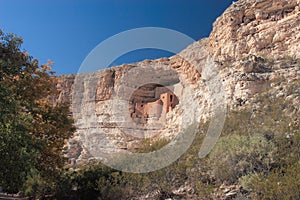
{"points": [[154, 106]]}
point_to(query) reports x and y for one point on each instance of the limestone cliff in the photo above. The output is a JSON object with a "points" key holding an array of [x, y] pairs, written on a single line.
{"points": [[254, 45], [262, 27]]}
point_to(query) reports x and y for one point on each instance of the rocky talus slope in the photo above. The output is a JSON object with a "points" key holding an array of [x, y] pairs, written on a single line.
{"points": [[255, 46]]}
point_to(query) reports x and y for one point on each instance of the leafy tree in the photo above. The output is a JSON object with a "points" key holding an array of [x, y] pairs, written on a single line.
{"points": [[33, 128]]}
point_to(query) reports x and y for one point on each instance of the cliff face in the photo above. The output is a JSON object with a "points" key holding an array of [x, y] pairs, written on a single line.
{"points": [[254, 45], [260, 27]]}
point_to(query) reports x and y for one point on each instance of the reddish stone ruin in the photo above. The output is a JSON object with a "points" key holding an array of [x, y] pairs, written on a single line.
{"points": [[152, 102]]}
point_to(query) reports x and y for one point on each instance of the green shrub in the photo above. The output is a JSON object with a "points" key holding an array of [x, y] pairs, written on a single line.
{"points": [[281, 184], [35, 186], [149, 146], [236, 155], [92, 180]]}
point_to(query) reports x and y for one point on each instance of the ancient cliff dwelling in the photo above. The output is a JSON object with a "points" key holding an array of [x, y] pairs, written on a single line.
{"points": [[151, 102]]}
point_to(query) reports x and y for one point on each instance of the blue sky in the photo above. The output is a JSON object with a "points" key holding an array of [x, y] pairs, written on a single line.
{"points": [[65, 31]]}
